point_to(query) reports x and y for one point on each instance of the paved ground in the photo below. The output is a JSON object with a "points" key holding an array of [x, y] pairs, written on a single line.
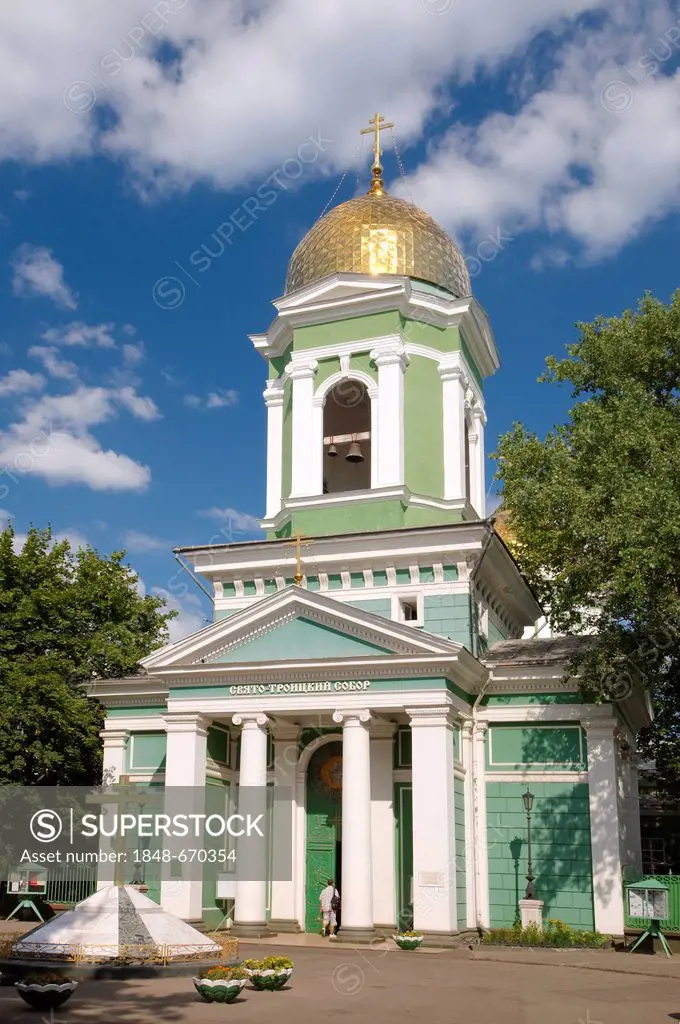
{"points": [[391, 987]]}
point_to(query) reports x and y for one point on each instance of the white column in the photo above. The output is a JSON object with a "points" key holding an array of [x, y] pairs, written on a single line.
{"points": [[284, 913], [250, 911], [391, 361], [273, 399], [357, 865], [115, 752], [303, 481], [454, 385], [466, 756], [434, 832], [480, 824], [184, 794], [382, 824], [604, 827]]}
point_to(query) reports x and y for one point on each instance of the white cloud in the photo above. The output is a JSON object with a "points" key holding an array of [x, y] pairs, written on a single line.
{"points": [[134, 354], [219, 399], [37, 273], [191, 616], [137, 542], [79, 333], [19, 382], [589, 147], [232, 520], [142, 407], [22, 194], [594, 153], [53, 363], [53, 440]]}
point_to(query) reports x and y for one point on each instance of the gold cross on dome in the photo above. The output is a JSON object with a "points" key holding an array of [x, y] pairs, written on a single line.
{"points": [[377, 124]]}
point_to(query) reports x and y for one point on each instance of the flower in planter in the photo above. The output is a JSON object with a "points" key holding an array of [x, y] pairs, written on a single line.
{"points": [[221, 983], [45, 990], [408, 940], [270, 974]]}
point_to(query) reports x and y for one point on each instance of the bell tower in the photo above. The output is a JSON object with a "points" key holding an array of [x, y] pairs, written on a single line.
{"points": [[376, 358]]}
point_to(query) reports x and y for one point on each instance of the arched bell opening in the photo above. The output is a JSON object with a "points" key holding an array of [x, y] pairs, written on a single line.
{"points": [[347, 438]]}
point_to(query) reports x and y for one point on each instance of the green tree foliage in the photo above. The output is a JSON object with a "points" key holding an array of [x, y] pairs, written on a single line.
{"points": [[595, 510], [66, 620]]}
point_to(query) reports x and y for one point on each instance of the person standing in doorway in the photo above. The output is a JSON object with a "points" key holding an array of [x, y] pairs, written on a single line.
{"points": [[329, 903]]}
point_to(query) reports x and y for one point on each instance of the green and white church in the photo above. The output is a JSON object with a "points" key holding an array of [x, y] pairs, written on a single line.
{"points": [[388, 670]]}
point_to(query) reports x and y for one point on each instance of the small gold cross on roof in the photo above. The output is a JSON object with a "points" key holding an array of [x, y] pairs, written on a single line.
{"points": [[298, 541]]}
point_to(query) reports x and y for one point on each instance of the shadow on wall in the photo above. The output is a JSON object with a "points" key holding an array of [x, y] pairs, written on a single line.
{"points": [[560, 835]]}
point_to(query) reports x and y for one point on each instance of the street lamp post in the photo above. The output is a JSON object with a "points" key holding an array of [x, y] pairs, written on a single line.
{"points": [[528, 801]]}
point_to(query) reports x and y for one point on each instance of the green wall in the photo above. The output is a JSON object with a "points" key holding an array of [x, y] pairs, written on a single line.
{"points": [[296, 637], [403, 814], [448, 615], [146, 752], [423, 433], [357, 328], [561, 853], [534, 748]]}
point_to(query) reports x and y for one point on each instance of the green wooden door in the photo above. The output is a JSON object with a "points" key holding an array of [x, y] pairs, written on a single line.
{"points": [[324, 805]]}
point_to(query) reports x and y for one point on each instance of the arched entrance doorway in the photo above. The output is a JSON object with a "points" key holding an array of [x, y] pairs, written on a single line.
{"points": [[324, 827]]}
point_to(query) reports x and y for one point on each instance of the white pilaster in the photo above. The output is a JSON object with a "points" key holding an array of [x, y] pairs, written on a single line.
{"points": [[115, 753], [466, 756], [303, 476], [283, 911], [635, 839], [114, 766], [434, 830], [273, 399], [185, 773], [477, 461], [391, 360], [454, 385], [604, 826], [250, 910], [382, 824], [480, 824], [357, 864]]}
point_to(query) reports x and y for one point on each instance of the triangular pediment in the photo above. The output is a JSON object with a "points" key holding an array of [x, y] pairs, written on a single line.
{"points": [[296, 624]]}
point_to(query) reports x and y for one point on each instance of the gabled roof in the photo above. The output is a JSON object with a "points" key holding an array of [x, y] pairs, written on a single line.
{"points": [[333, 630]]}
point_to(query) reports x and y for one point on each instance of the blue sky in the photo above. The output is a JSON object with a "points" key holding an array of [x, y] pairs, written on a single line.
{"points": [[554, 131]]}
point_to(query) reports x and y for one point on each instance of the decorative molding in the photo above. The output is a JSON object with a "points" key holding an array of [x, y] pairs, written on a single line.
{"points": [[302, 369], [250, 719], [185, 722], [429, 717], [352, 718], [337, 378], [527, 777]]}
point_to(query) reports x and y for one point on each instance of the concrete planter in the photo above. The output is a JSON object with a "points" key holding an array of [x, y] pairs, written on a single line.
{"points": [[221, 990], [269, 980], [408, 941], [45, 997]]}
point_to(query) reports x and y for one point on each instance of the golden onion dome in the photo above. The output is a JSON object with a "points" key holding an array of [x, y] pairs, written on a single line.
{"points": [[379, 234]]}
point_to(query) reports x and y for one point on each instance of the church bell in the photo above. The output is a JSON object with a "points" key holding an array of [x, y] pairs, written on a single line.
{"points": [[332, 451], [354, 453]]}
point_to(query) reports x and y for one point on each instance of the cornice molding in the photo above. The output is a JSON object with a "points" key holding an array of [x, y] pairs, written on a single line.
{"points": [[342, 295]]}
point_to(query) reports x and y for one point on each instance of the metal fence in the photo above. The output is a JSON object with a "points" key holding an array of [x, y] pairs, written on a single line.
{"points": [[78, 882], [672, 922]]}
